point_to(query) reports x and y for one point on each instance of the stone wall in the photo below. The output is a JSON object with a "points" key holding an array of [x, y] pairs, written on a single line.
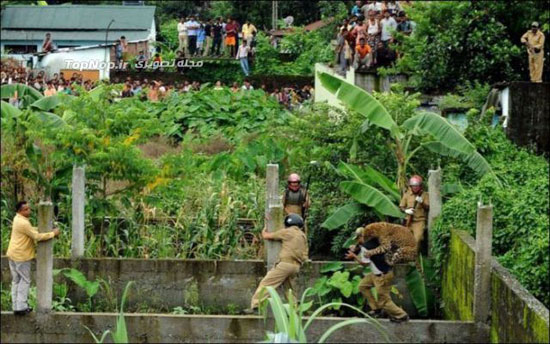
{"points": [[516, 315], [159, 328], [167, 283]]}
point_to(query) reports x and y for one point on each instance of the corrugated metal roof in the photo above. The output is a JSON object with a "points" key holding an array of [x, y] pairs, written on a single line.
{"points": [[57, 36], [77, 17]]}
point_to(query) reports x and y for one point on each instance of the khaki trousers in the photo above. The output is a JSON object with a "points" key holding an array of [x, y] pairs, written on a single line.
{"points": [[382, 284], [282, 273], [208, 46], [417, 228], [20, 283], [536, 62], [183, 42]]}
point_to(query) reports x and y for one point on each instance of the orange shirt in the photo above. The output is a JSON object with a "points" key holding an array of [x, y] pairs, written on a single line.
{"points": [[363, 51]]}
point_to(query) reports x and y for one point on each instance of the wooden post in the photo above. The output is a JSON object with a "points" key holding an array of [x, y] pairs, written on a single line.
{"points": [[44, 260], [482, 274], [434, 192], [78, 190], [274, 213]]}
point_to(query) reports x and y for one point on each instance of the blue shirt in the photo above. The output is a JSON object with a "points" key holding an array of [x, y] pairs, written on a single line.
{"points": [[355, 11], [201, 35]]}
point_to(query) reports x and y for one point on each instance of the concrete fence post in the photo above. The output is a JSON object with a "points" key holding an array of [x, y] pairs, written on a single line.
{"points": [[78, 190], [274, 212], [482, 274], [434, 193], [44, 260]]}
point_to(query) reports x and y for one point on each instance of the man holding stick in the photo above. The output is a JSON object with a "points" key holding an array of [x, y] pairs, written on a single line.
{"points": [[415, 203]]}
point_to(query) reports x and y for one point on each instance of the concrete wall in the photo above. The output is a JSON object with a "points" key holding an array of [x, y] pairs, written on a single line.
{"points": [[516, 315], [369, 81], [157, 328], [165, 283], [529, 116]]}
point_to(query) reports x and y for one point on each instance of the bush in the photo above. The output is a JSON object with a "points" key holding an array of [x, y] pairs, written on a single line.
{"points": [[520, 220]]}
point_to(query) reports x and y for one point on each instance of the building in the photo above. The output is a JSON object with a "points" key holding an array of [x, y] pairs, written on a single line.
{"points": [[23, 27]]}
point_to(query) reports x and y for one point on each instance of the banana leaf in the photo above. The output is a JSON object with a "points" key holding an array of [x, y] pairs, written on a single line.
{"points": [[474, 160], [422, 296], [361, 101], [9, 111], [372, 197], [47, 103], [342, 215], [370, 176], [7, 91], [441, 129]]}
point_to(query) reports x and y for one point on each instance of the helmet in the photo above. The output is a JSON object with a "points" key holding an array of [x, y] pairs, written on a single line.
{"points": [[294, 220], [359, 231], [294, 177], [415, 180]]}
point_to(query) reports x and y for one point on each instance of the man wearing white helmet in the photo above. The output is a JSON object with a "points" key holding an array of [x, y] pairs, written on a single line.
{"points": [[415, 203], [295, 198]]}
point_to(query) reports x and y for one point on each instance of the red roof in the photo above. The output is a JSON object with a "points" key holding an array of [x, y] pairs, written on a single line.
{"points": [[309, 27]]}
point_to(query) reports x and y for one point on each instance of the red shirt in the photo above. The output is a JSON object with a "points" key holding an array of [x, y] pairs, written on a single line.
{"points": [[231, 29]]}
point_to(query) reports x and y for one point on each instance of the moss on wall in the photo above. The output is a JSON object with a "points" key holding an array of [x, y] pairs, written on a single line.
{"points": [[516, 316], [457, 290]]}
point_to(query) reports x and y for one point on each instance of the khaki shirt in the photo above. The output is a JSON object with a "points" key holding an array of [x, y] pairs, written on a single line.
{"points": [[536, 40], [407, 201], [294, 248], [23, 235]]}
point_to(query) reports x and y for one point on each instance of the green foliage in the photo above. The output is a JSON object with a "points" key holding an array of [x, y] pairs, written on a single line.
{"points": [[120, 334], [338, 284], [169, 33], [520, 221], [90, 287], [308, 48], [288, 317]]}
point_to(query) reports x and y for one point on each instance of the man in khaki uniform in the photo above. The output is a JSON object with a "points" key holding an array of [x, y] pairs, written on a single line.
{"points": [[296, 199], [415, 203], [380, 277], [294, 252], [534, 40], [20, 253]]}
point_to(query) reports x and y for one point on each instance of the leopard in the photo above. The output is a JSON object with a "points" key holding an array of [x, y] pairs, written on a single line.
{"points": [[397, 242]]}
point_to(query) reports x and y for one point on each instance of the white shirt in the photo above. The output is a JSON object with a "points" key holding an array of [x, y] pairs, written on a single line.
{"points": [[182, 30], [364, 259], [249, 87], [387, 24], [243, 52]]}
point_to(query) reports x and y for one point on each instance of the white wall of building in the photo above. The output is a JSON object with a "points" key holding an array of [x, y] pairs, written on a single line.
{"points": [[82, 59], [321, 93]]}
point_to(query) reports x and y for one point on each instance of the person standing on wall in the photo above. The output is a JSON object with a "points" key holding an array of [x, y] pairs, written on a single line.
{"points": [[415, 203], [182, 37], [21, 251], [192, 27], [242, 56], [534, 41], [294, 252]]}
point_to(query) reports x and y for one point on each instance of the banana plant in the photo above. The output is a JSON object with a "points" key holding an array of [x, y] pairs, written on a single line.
{"points": [[365, 186]]}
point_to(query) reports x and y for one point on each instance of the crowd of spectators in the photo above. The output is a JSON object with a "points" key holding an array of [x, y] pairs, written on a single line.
{"points": [[154, 90], [365, 38]]}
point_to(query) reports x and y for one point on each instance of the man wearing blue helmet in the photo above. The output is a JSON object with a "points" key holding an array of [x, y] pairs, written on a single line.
{"points": [[294, 252]]}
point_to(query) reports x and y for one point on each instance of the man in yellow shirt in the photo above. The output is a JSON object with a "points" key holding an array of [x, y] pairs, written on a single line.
{"points": [[248, 32], [21, 252], [534, 40], [294, 252]]}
